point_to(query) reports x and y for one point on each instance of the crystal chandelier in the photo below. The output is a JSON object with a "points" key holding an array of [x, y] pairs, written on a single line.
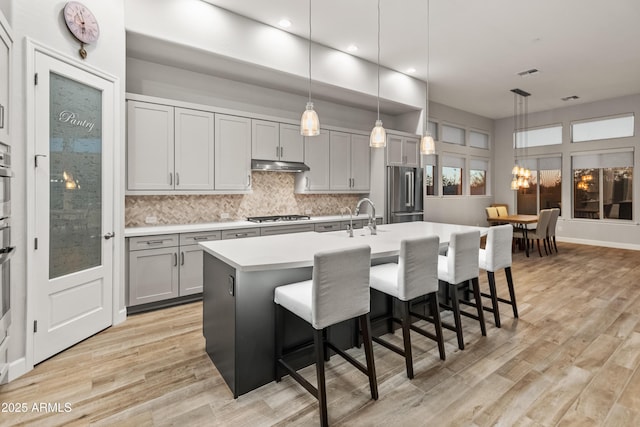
{"points": [[521, 176]]}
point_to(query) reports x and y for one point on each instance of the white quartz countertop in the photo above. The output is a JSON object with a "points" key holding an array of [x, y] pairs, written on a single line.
{"points": [[228, 225], [297, 250]]}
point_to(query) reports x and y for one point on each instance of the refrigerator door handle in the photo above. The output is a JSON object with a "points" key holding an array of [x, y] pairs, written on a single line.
{"points": [[407, 188]]}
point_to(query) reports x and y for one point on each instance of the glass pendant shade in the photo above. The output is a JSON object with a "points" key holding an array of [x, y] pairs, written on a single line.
{"points": [[515, 170], [427, 145], [309, 123], [378, 136], [514, 184]]}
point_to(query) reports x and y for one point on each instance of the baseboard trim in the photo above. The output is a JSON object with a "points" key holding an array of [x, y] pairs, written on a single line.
{"points": [[614, 245], [18, 368]]}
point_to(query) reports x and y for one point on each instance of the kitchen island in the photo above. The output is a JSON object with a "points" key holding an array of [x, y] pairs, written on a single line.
{"points": [[239, 280]]}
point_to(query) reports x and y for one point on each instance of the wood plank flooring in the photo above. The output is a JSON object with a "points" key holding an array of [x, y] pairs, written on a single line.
{"points": [[571, 359]]}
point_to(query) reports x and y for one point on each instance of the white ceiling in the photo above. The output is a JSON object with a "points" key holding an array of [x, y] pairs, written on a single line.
{"points": [[588, 48]]}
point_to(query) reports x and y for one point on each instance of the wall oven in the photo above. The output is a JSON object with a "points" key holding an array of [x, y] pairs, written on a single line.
{"points": [[6, 251]]}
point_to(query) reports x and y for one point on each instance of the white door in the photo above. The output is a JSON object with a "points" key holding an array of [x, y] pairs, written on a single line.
{"points": [[74, 143]]}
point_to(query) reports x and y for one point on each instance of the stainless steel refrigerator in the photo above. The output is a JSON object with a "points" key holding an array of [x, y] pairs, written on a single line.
{"points": [[404, 194]]}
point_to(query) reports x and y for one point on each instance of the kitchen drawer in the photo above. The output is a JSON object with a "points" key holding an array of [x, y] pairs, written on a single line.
{"points": [[194, 238], [286, 229], [240, 233], [153, 242], [328, 226], [356, 224]]}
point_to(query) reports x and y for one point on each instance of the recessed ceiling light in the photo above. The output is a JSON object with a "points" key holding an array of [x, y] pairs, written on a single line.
{"points": [[570, 98], [527, 73], [352, 48], [284, 23], [411, 70]]}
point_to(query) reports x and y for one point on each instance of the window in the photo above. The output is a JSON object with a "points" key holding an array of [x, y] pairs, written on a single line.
{"points": [[430, 175], [478, 139], [550, 135], [478, 177], [604, 128], [545, 186], [452, 168], [602, 185], [452, 134]]}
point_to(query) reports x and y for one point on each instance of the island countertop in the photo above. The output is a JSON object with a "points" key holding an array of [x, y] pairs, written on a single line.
{"points": [[297, 250]]}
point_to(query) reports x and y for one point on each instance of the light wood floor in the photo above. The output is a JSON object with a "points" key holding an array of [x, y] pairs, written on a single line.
{"points": [[571, 359]]}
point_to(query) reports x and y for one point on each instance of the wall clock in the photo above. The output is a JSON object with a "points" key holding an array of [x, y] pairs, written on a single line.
{"points": [[82, 24]]}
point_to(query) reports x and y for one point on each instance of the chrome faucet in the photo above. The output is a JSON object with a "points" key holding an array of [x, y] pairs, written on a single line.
{"points": [[372, 215], [350, 229]]}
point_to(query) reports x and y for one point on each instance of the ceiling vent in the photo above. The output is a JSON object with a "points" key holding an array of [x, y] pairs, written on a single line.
{"points": [[528, 73], [570, 98]]}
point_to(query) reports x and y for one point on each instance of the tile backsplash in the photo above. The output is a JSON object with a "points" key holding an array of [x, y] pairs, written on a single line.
{"points": [[272, 195]]}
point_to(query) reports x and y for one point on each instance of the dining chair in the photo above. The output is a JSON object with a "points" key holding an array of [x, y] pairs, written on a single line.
{"points": [[337, 291], [502, 211], [551, 233], [494, 257], [457, 269], [492, 212], [414, 276], [540, 232]]}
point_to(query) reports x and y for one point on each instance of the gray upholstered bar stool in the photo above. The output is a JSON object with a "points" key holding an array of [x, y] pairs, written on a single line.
{"points": [[338, 291], [457, 269], [415, 275], [497, 256]]}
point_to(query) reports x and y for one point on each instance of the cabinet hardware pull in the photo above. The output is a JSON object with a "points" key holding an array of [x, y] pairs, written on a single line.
{"points": [[181, 258], [170, 178], [201, 238], [175, 259], [241, 234], [154, 242], [281, 152], [109, 235], [232, 285], [177, 178], [249, 176], [1, 116], [277, 151]]}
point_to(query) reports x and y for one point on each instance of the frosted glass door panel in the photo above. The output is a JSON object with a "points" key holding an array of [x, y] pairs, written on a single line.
{"points": [[75, 150]]}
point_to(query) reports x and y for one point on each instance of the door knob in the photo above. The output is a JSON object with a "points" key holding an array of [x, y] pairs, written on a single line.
{"points": [[109, 235]]}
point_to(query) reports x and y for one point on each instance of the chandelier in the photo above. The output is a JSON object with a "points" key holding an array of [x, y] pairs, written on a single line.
{"points": [[521, 176]]}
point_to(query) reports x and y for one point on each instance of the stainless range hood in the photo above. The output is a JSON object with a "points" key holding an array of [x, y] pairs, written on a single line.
{"points": [[278, 166]]}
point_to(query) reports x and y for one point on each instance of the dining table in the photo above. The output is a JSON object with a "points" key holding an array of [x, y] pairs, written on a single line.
{"points": [[519, 221]]}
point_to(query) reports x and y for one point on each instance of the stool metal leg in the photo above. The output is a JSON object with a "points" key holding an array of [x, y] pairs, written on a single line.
{"points": [[406, 336], [494, 297], [455, 305], [512, 292], [477, 297], [319, 344], [365, 326]]}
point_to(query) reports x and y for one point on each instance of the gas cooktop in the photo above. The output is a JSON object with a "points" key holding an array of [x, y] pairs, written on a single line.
{"points": [[274, 218]]}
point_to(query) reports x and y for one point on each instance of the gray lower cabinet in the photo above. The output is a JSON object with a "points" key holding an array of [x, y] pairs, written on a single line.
{"points": [[165, 266]]}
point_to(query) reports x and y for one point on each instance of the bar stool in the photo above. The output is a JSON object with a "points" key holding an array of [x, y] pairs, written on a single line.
{"points": [[457, 268], [338, 291], [415, 275], [497, 256]]}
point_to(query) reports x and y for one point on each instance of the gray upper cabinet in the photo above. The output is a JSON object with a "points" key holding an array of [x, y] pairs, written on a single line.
{"points": [[233, 153], [169, 148], [291, 143], [360, 163], [276, 141], [350, 162], [194, 150], [150, 146], [316, 156], [265, 140], [5, 73], [403, 151]]}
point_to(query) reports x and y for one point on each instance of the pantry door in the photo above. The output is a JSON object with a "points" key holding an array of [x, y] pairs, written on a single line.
{"points": [[74, 185]]}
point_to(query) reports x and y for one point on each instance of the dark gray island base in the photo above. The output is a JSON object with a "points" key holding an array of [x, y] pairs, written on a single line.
{"points": [[240, 276]]}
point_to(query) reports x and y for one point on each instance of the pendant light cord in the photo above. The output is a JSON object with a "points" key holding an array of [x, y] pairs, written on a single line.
{"points": [[309, 50], [426, 122], [378, 59]]}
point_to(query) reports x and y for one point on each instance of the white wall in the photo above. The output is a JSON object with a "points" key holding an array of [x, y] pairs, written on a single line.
{"points": [[624, 234], [42, 22]]}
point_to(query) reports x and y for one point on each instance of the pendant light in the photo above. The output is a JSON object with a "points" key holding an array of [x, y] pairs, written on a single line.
{"points": [[378, 134], [309, 123], [521, 175], [427, 145]]}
